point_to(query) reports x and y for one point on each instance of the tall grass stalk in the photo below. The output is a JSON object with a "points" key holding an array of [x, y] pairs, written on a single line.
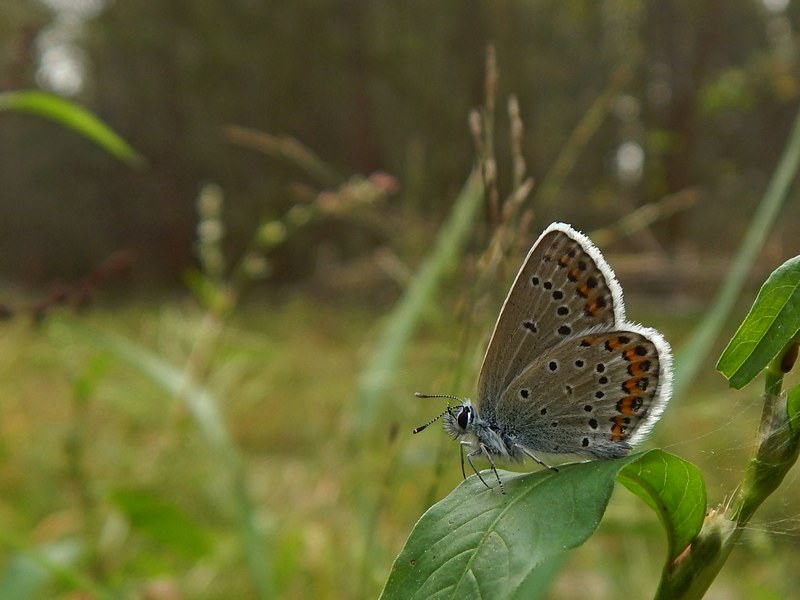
{"points": [[374, 392], [693, 353]]}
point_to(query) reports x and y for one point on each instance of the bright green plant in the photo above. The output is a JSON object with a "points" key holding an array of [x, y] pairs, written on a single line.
{"points": [[478, 543], [73, 117]]}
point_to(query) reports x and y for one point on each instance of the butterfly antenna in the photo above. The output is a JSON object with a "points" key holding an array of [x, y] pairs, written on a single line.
{"points": [[433, 420], [421, 395], [436, 418]]}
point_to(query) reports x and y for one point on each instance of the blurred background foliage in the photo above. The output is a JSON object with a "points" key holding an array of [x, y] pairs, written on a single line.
{"points": [[323, 144], [704, 97]]}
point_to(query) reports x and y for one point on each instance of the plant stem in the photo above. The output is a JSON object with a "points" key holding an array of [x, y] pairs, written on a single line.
{"points": [[690, 576]]}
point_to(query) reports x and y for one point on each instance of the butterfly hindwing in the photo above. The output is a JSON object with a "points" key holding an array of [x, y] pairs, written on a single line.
{"points": [[593, 394]]}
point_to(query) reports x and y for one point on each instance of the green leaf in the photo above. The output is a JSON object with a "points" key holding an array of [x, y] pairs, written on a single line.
{"points": [[478, 543], [772, 322], [675, 489], [74, 117], [162, 522]]}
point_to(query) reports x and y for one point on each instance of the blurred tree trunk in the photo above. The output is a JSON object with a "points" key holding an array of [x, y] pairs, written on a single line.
{"points": [[364, 152], [685, 35]]}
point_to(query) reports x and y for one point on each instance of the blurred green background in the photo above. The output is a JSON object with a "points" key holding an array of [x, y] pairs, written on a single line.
{"points": [[208, 363]]}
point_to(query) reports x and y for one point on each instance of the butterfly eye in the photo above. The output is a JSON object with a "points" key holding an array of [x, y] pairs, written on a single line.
{"points": [[464, 416]]}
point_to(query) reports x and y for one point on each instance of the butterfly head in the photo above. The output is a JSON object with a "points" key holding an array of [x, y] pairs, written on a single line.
{"points": [[457, 420]]}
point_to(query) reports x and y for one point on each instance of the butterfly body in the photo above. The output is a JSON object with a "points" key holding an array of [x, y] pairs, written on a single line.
{"points": [[564, 373], [474, 432]]}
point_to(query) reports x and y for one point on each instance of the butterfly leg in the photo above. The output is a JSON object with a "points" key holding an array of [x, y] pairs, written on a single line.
{"points": [[471, 464], [482, 450], [530, 454], [463, 472], [488, 456], [478, 452]]}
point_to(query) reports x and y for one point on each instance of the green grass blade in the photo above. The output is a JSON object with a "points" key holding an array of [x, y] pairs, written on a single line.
{"points": [[73, 117], [374, 382], [772, 322], [694, 352], [198, 400]]}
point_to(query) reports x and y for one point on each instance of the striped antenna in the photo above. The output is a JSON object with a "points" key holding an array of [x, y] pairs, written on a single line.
{"points": [[433, 420]]}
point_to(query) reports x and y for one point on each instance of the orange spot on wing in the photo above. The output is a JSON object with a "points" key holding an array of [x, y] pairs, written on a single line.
{"points": [[635, 384], [635, 353], [592, 309], [619, 427], [638, 369], [630, 405]]}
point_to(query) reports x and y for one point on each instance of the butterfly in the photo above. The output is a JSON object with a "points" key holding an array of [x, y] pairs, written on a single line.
{"points": [[565, 372]]}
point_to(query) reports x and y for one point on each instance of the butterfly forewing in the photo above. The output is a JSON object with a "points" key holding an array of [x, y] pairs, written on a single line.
{"points": [[564, 287], [611, 385]]}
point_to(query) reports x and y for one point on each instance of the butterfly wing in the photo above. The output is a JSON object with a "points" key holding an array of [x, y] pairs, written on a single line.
{"points": [[594, 394], [563, 288]]}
